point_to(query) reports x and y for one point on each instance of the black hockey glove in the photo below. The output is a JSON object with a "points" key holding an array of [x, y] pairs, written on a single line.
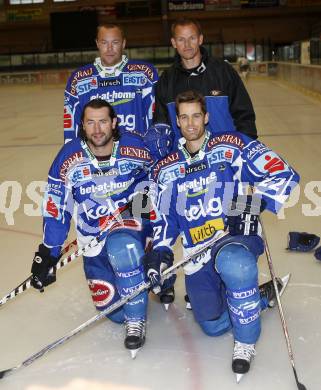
{"points": [[41, 265], [243, 215], [155, 263]]}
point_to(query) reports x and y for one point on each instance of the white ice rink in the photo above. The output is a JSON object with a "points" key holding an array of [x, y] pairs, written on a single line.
{"points": [[177, 355]]}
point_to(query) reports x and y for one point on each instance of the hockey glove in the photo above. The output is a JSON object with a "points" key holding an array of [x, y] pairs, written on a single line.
{"points": [[41, 265], [158, 140], [155, 263], [243, 215], [302, 242]]}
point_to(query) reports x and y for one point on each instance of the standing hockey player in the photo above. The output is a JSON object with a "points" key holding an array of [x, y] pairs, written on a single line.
{"points": [[93, 176], [244, 67], [194, 68], [128, 85], [202, 192]]}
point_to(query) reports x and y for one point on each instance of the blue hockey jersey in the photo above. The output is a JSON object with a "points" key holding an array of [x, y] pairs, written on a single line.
{"points": [[89, 190], [130, 90], [193, 193]]}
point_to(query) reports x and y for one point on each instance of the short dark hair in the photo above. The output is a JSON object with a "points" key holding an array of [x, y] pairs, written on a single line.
{"points": [[97, 104], [190, 96], [109, 26], [185, 22]]}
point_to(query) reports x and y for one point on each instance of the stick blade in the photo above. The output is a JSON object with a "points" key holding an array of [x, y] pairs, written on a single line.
{"points": [[5, 372]]}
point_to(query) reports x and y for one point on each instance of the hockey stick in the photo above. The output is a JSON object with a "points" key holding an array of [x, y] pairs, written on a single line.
{"points": [[26, 284], [110, 309], [283, 321]]}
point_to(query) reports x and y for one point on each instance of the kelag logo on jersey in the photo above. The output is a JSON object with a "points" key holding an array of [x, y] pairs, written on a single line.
{"points": [[220, 154], [80, 174], [86, 85], [137, 79], [127, 166], [172, 173]]}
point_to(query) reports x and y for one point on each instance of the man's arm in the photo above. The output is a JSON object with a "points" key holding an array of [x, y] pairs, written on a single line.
{"points": [[56, 223], [149, 98], [72, 112], [272, 177]]}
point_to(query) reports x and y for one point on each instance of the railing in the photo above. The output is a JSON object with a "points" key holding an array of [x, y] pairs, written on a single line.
{"points": [[155, 54]]}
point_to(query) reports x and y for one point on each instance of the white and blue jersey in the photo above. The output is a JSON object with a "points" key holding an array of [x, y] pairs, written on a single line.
{"points": [[193, 192], [129, 89], [193, 195], [90, 190]]}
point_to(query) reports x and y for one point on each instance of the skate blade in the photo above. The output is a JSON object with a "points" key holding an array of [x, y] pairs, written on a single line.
{"points": [[285, 280], [238, 377], [133, 352]]}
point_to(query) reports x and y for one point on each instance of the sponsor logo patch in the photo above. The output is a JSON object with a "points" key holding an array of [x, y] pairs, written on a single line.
{"points": [[80, 174], [166, 161], [226, 139], [115, 97], [109, 83], [137, 79], [256, 150], [219, 155], [197, 186], [171, 173], [141, 68], [86, 85], [128, 166], [203, 232], [106, 189], [68, 122], [52, 206], [212, 209], [67, 164], [102, 292], [134, 152], [270, 162], [196, 168]]}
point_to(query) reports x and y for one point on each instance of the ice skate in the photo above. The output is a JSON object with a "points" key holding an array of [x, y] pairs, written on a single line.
{"points": [[188, 302], [167, 297], [267, 289], [135, 336], [242, 356]]}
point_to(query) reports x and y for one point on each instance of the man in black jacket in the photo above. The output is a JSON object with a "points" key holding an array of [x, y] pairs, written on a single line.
{"points": [[193, 68]]}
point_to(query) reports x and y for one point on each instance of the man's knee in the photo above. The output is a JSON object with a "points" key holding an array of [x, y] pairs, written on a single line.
{"points": [[235, 262], [217, 326]]}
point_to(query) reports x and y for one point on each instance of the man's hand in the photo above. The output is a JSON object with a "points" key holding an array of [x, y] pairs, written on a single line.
{"points": [[41, 265], [155, 263]]}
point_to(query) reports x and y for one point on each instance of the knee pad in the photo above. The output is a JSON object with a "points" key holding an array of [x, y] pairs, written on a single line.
{"points": [[124, 251], [218, 326], [237, 266]]}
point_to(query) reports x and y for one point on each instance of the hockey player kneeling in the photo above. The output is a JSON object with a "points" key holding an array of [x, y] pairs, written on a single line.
{"points": [[200, 194], [92, 177]]}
